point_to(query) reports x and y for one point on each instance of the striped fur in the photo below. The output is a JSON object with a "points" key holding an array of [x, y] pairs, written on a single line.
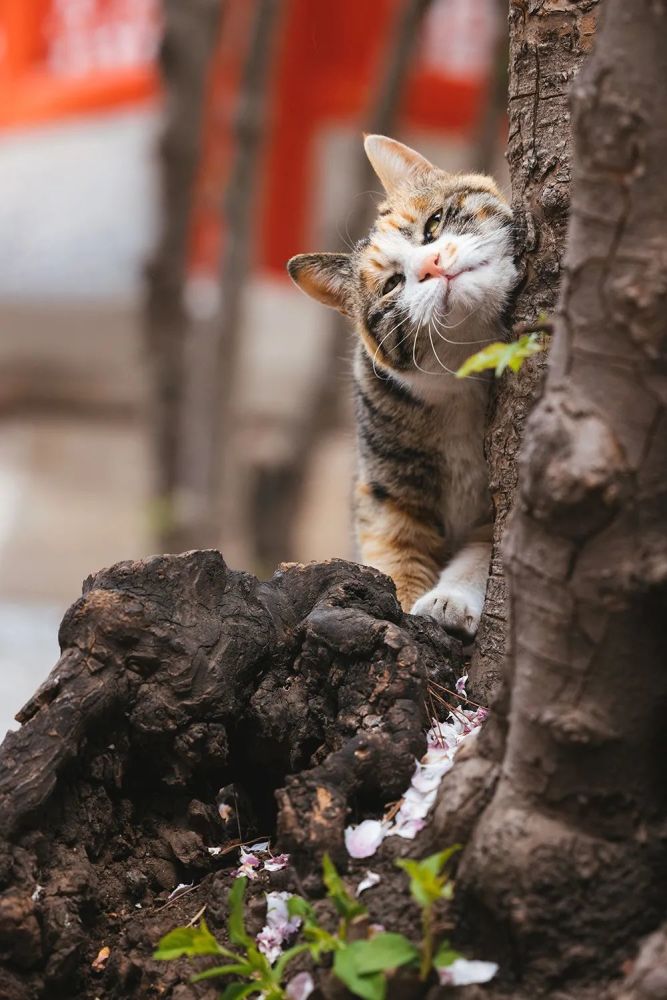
{"points": [[425, 290]]}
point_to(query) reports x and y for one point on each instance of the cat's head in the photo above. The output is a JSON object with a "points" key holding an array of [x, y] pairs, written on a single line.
{"points": [[439, 254]]}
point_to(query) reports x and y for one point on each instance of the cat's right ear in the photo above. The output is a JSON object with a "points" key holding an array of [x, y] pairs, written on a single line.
{"points": [[326, 277]]}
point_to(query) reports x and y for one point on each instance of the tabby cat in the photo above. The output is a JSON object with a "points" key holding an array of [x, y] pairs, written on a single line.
{"points": [[426, 289]]}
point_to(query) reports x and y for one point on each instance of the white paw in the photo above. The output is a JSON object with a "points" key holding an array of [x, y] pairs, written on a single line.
{"points": [[457, 606]]}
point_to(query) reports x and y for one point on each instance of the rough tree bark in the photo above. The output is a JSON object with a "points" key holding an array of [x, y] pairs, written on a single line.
{"points": [[189, 37], [548, 40], [567, 867]]}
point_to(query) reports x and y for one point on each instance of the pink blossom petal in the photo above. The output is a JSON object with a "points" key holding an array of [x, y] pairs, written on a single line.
{"points": [[300, 986], [465, 972], [279, 926], [277, 863], [409, 829], [363, 841], [461, 686], [245, 870]]}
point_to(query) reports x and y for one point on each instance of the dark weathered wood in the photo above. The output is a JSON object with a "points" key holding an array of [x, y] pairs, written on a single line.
{"points": [[178, 677]]}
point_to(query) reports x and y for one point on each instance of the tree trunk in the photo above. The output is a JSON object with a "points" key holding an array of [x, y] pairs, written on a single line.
{"points": [[568, 865], [547, 44], [214, 505], [189, 38]]}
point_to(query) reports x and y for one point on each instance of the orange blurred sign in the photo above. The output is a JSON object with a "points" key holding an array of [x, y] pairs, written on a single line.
{"points": [[62, 57]]}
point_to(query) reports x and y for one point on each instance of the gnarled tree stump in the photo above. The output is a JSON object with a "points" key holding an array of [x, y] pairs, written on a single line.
{"points": [[178, 677]]}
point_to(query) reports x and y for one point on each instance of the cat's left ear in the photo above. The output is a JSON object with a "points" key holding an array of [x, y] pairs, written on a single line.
{"points": [[393, 162], [326, 277]]}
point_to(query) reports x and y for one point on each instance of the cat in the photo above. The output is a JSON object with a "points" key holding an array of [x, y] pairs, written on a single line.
{"points": [[427, 288]]}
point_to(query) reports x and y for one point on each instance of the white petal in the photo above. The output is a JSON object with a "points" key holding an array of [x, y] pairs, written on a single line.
{"points": [[409, 828], [300, 986], [465, 972], [179, 889], [276, 909], [362, 841], [261, 847], [368, 881], [277, 863]]}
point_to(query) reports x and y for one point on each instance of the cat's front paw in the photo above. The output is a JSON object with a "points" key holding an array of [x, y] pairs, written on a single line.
{"points": [[456, 606]]}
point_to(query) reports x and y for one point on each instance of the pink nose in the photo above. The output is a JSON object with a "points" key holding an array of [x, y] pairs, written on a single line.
{"points": [[432, 267]]}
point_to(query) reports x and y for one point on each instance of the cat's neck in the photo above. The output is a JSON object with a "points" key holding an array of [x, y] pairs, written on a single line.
{"points": [[433, 378]]}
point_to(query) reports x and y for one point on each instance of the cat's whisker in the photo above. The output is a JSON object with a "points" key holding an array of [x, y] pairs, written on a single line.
{"points": [[381, 343], [473, 378], [414, 345], [439, 323]]}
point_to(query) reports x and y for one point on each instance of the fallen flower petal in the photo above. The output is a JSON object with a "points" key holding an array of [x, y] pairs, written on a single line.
{"points": [[465, 972], [261, 847], [300, 986], [214, 851], [246, 870], [179, 889], [461, 685], [362, 841], [409, 828], [279, 926], [277, 863], [368, 881], [270, 943]]}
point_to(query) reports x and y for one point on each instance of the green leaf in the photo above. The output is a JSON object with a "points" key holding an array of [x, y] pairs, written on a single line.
{"points": [[427, 884], [297, 906], [383, 952], [238, 969], [436, 862], [445, 955], [187, 941], [337, 893], [235, 991], [286, 958], [372, 986], [425, 887], [500, 355], [235, 922], [258, 960]]}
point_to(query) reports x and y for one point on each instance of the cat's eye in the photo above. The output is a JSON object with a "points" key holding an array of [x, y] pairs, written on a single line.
{"points": [[392, 283], [432, 226]]}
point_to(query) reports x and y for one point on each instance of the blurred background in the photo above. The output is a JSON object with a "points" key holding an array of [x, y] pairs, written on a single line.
{"points": [[163, 386]]}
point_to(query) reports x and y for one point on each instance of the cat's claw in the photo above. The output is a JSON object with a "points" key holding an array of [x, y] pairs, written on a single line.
{"points": [[458, 607]]}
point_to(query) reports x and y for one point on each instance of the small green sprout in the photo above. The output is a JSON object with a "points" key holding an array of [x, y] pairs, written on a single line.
{"points": [[500, 355], [362, 964]]}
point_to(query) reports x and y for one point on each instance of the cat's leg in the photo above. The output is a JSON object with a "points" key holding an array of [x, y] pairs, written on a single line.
{"points": [[457, 599], [403, 544]]}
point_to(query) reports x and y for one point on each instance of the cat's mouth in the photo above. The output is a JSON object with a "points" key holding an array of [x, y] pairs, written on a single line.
{"points": [[445, 290]]}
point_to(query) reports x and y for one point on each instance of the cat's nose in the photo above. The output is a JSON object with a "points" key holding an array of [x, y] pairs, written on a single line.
{"points": [[429, 267], [432, 266]]}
